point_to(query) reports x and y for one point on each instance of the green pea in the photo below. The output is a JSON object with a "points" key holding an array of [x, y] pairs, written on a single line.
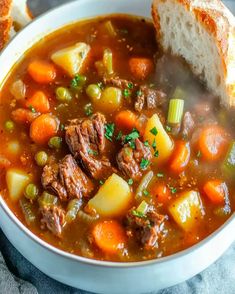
{"points": [[93, 91], [41, 158], [31, 191], [55, 142], [63, 94], [9, 126]]}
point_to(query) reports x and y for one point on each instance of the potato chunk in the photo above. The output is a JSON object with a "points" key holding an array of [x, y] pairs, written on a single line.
{"points": [[164, 145], [71, 58], [113, 197], [110, 100], [16, 180], [187, 209]]}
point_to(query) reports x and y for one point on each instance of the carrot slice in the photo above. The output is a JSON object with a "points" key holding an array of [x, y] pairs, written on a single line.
{"points": [[162, 192], [213, 142], [109, 236], [216, 191], [42, 72], [43, 128], [141, 67], [180, 157], [39, 102], [126, 120]]}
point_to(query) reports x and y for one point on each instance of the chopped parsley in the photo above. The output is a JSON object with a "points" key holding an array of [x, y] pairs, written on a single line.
{"points": [[32, 109], [144, 163], [126, 93], [137, 213], [132, 136], [109, 131], [100, 85], [169, 129], [156, 153], [160, 175], [154, 131], [146, 143], [173, 190], [78, 81], [101, 182], [119, 136], [88, 109], [92, 152], [138, 93], [130, 182], [62, 127], [154, 145], [146, 193], [132, 144], [199, 154], [130, 85]]}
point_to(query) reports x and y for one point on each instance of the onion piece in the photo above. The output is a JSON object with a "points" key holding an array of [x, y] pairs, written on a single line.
{"points": [[143, 185], [18, 90]]}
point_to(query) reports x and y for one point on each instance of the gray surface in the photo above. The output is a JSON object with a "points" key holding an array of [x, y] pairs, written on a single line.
{"points": [[17, 275]]}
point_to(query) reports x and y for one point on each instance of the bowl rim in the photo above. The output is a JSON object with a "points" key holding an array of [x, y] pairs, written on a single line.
{"points": [[85, 260]]}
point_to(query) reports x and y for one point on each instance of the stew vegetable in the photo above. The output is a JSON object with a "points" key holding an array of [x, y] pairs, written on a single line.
{"points": [[111, 149]]}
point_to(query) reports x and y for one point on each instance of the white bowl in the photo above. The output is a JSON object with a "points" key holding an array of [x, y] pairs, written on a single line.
{"points": [[79, 272]]}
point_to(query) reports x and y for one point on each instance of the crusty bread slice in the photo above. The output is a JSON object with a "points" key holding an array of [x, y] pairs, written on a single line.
{"points": [[14, 14], [203, 33]]}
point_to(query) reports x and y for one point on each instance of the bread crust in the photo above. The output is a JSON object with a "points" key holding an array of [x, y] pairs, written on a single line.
{"points": [[6, 19], [219, 22]]}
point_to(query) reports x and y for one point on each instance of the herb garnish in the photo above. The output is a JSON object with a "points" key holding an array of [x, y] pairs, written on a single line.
{"points": [[160, 175], [119, 136], [130, 182], [88, 109], [126, 93], [100, 85], [144, 163], [154, 145], [199, 154], [146, 193], [130, 85], [146, 143], [101, 182], [92, 152], [62, 127], [32, 109], [138, 93], [77, 81], [169, 129], [154, 131], [109, 131], [137, 213], [173, 190], [132, 136], [132, 144], [156, 153]]}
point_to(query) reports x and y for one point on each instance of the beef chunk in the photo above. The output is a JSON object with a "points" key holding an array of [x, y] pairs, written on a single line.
{"points": [[188, 124], [86, 141], [117, 82], [129, 159], [53, 218], [66, 179], [152, 98], [148, 229]]}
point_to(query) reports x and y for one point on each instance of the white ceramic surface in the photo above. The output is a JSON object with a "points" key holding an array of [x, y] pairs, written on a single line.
{"points": [[91, 275]]}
